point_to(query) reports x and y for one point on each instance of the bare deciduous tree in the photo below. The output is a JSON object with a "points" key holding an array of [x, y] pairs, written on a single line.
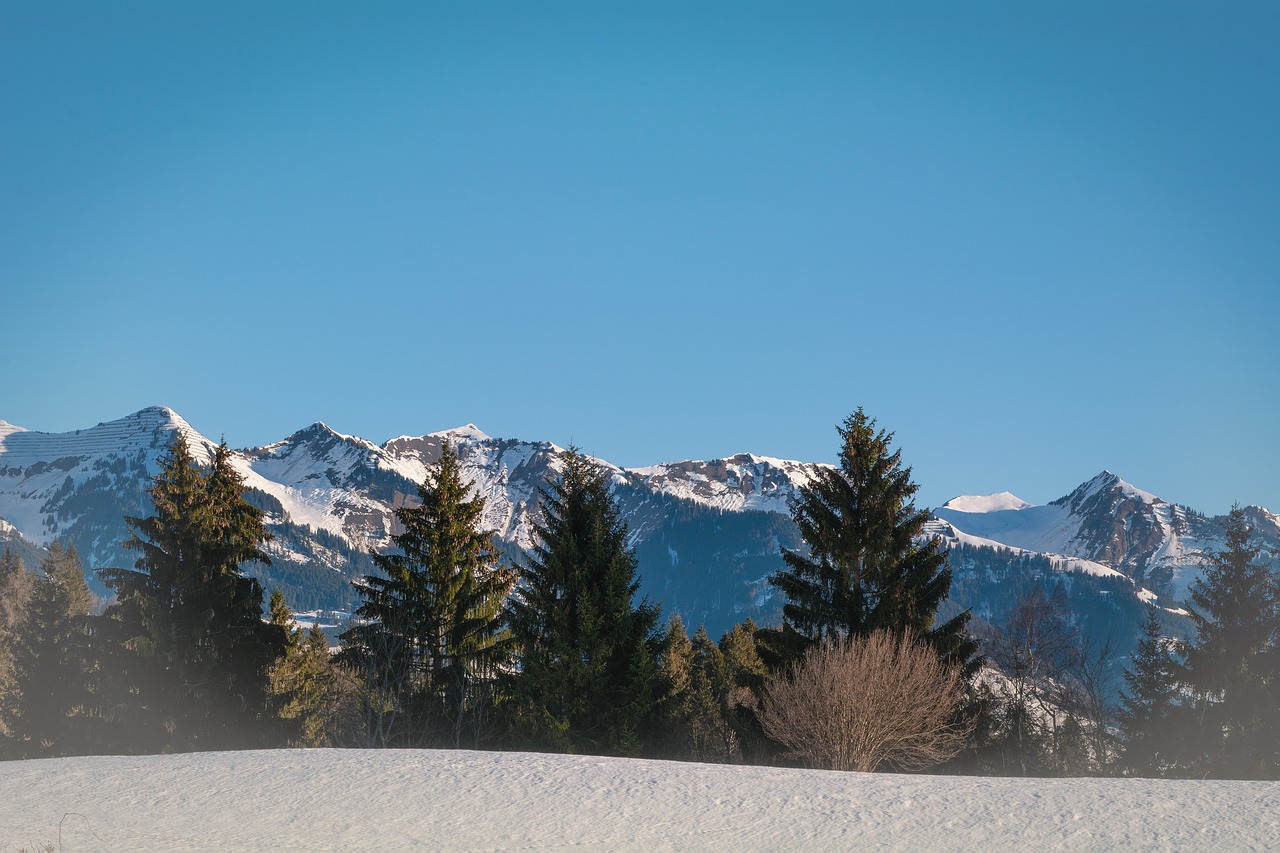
{"points": [[863, 703]]}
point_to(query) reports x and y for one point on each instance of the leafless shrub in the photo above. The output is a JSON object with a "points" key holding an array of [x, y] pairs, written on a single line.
{"points": [[857, 705]]}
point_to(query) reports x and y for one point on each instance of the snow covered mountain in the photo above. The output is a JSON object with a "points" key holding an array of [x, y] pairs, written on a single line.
{"points": [[707, 533], [1103, 525]]}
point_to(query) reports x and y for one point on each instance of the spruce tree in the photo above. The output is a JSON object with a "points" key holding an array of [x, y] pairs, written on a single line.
{"points": [[432, 622], [713, 692], [51, 659], [15, 591], [738, 675], [673, 735], [864, 567], [188, 651], [1148, 706], [1232, 663], [304, 683], [587, 672], [15, 596]]}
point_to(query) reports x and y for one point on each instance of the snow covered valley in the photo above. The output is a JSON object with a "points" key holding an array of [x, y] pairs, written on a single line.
{"points": [[349, 800]]}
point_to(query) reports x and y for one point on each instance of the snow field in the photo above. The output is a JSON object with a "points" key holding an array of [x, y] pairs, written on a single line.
{"points": [[349, 800]]}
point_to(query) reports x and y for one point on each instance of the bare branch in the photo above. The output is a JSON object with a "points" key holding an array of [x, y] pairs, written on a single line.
{"points": [[860, 704]]}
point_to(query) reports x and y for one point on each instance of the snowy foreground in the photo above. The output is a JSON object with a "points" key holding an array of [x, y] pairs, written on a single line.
{"points": [[345, 800]]}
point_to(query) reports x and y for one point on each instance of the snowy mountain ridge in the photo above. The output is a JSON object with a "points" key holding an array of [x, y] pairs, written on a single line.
{"points": [[1112, 523], [708, 533], [330, 499]]}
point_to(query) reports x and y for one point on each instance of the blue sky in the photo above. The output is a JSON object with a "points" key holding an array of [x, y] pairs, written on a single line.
{"points": [[1035, 240]]}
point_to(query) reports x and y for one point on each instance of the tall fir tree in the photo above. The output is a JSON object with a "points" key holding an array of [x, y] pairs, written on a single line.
{"points": [[672, 724], [15, 590], [1148, 708], [305, 684], [16, 585], [587, 652], [187, 650], [864, 567], [1231, 665], [51, 660], [432, 622]]}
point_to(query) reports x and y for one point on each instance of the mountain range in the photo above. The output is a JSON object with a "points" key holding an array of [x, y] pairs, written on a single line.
{"points": [[707, 534]]}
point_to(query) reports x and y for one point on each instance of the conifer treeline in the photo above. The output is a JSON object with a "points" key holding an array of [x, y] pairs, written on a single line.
{"points": [[450, 647]]}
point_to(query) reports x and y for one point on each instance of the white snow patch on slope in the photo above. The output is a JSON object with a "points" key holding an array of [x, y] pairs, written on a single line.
{"points": [[294, 800], [948, 531], [986, 503], [1047, 529], [744, 481], [34, 465]]}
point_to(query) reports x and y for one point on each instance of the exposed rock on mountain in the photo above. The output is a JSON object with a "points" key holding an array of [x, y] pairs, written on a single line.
{"points": [[707, 533]]}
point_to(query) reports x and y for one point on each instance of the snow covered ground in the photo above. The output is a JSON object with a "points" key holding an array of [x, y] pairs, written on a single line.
{"points": [[348, 800]]}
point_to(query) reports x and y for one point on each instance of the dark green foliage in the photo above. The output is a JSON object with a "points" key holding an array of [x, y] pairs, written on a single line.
{"points": [[15, 591], [711, 691], [708, 695], [1148, 709], [742, 648], [16, 585], [185, 649], [1231, 666], [48, 652], [863, 568], [51, 660], [587, 654], [671, 735], [429, 639], [21, 550], [313, 708]]}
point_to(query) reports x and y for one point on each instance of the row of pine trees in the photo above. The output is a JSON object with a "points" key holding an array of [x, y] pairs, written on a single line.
{"points": [[452, 648]]}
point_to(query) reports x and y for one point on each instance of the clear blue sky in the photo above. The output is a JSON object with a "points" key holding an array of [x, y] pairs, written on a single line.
{"points": [[1035, 239]]}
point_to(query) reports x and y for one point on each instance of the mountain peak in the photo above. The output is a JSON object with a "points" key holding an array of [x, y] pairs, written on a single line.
{"points": [[157, 418], [7, 428], [1114, 481], [470, 432], [320, 436], [1105, 483], [316, 431], [157, 412], [997, 502]]}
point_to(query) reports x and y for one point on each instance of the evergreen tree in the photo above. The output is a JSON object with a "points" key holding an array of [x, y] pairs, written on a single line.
{"points": [[187, 650], [15, 596], [1231, 665], [305, 684], [1147, 710], [864, 568], [586, 651], [51, 659], [431, 626], [673, 735], [714, 690], [738, 690], [15, 591]]}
